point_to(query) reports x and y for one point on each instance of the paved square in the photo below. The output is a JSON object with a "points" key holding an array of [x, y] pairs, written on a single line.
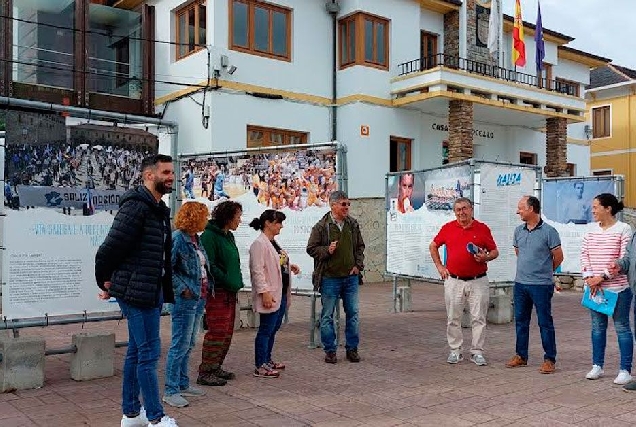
{"points": [[403, 378]]}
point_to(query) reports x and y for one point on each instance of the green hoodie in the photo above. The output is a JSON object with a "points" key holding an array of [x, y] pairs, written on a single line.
{"points": [[225, 263]]}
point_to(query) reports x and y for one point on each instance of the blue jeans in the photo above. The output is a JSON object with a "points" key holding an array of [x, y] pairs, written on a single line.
{"points": [[140, 364], [539, 296], [188, 192], [269, 325], [331, 289], [623, 332], [186, 318]]}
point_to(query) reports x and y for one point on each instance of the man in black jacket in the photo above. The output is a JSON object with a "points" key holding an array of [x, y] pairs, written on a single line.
{"points": [[133, 265]]}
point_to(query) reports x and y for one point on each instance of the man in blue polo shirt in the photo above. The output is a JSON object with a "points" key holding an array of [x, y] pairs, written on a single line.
{"points": [[539, 253]]}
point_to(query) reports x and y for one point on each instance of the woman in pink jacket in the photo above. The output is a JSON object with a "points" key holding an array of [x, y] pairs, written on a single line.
{"points": [[271, 288]]}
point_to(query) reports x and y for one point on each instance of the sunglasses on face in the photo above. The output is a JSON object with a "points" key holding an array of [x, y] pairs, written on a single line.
{"points": [[345, 204]]}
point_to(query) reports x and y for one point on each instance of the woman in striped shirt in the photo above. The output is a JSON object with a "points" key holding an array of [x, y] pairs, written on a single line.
{"points": [[605, 242]]}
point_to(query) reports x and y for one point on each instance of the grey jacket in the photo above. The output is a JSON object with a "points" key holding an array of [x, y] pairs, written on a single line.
{"points": [[627, 264]]}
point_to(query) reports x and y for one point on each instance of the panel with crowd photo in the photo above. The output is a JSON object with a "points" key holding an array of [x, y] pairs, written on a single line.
{"points": [[75, 166], [283, 179], [296, 182]]}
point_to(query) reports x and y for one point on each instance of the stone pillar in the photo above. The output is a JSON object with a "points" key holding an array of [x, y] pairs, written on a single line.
{"points": [[556, 147], [460, 130], [451, 37], [477, 21]]}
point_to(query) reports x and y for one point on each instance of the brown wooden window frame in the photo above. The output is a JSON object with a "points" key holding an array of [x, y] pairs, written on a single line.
{"points": [[268, 139], [601, 122], [356, 55], [546, 82], [561, 84], [193, 7], [528, 158], [398, 140], [251, 42], [428, 61]]}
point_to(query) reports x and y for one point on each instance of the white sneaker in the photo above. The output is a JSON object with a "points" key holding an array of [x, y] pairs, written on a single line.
{"points": [[596, 373], [454, 357], [166, 421], [478, 359], [623, 377], [139, 421]]}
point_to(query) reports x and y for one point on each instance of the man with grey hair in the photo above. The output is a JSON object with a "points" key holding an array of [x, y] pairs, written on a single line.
{"points": [[469, 246], [337, 247]]}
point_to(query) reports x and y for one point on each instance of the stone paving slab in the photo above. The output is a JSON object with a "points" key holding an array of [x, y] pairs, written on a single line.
{"points": [[403, 379]]}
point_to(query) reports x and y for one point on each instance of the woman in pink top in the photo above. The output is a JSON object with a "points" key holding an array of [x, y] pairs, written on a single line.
{"points": [[605, 242], [271, 288]]}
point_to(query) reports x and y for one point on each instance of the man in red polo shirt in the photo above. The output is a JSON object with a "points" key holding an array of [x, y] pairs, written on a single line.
{"points": [[469, 246]]}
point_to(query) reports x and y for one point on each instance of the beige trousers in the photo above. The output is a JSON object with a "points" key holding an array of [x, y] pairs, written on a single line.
{"points": [[456, 293]]}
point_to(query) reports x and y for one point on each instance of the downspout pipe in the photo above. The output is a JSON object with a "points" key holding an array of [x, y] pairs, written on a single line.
{"points": [[333, 8]]}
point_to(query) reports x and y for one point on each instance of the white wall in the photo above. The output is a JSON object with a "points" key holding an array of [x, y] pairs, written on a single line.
{"points": [[571, 70], [227, 129], [551, 53], [311, 66], [406, 19], [311, 54], [368, 157], [580, 156], [433, 23], [190, 70]]}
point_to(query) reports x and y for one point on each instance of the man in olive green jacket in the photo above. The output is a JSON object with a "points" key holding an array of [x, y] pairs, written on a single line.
{"points": [[337, 247]]}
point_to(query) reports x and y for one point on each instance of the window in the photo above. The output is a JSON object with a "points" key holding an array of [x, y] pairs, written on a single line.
{"points": [[260, 28], [526, 158], [364, 40], [428, 51], [445, 152], [122, 61], [258, 136], [546, 76], [601, 123], [400, 154], [191, 28], [571, 169], [567, 87], [602, 172]]}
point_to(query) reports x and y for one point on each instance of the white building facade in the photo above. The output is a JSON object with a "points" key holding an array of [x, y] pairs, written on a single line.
{"points": [[399, 65], [404, 84]]}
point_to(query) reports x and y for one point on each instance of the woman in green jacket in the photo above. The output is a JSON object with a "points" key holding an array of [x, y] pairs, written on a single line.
{"points": [[220, 308]]}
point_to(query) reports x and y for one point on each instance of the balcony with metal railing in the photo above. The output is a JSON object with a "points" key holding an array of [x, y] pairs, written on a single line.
{"points": [[449, 75], [488, 70]]}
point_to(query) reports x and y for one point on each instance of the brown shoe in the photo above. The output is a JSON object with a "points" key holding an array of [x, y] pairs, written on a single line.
{"points": [[210, 380], [516, 361], [330, 357], [353, 356], [547, 367]]}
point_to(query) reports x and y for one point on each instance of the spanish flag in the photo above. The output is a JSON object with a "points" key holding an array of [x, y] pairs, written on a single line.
{"points": [[518, 45]]}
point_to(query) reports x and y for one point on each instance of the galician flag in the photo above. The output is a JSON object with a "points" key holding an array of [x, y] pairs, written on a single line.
{"points": [[493, 27], [518, 45], [538, 39]]}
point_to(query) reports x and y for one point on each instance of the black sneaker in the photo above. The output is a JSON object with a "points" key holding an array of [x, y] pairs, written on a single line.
{"points": [[353, 356], [630, 386], [330, 357], [226, 375], [210, 380]]}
